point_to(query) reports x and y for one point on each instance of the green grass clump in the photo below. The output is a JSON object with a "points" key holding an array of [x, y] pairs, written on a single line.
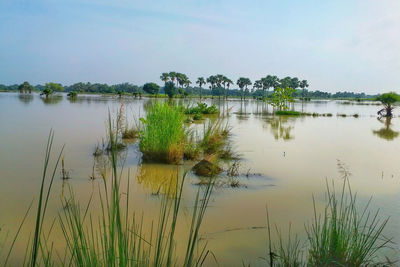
{"points": [[202, 108], [162, 138], [287, 113], [197, 116], [341, 235], [214, 137]]}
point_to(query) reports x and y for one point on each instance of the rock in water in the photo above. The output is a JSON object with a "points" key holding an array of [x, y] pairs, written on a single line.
{"points": [[206, 168]]}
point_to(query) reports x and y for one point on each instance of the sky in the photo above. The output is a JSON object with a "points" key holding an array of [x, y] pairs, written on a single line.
{"points": [[336, 45]]}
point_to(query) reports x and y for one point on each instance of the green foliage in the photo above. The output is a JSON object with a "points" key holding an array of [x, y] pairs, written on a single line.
{"points": [[388, 98], [55, 87], [162, 138], [202, 108], [151, 88], [25, 88], [49, 88], [170, 89], [47, 92], [243, 83], [72, 94], [281, 98]]}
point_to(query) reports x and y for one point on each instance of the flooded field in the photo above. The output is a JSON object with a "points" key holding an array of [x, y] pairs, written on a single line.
{"points": [[284, 162]]}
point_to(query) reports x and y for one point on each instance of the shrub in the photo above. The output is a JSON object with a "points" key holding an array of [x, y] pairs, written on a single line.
{"points": [[72, 94], [202, 108]]}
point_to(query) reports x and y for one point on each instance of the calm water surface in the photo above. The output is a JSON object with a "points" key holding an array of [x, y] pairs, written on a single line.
{"points": [[288, 161]]}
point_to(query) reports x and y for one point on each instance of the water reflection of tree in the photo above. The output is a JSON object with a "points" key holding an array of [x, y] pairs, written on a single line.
{"points": [[386, 132], [281, 127], [159, 179], [25, 98], [52, 100]]}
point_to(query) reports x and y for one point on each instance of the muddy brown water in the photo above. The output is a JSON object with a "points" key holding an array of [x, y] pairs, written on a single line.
{"points": [[287, 160]]}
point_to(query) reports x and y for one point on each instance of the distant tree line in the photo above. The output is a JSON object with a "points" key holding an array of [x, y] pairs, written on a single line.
{"points": [[178, 84]]}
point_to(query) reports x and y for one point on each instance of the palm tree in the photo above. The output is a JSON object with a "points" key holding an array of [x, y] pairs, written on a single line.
{"points": [[303, 85], [200, 81], [164, 77], [228, 82], [247, 82], [243, 83], [258, 84], [220, 81], [173, 76], [294, 83], [212, 80], [274, 81], [285, 82]]}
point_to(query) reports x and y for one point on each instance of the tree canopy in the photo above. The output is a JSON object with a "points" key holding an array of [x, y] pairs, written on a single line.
{"points": [[151, 88]]}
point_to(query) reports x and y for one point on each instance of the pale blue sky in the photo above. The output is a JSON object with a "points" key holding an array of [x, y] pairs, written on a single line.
{"points": [[335, 45]]}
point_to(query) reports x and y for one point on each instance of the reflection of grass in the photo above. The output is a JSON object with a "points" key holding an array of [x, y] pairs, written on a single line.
{"points": [[158, 178], [340, 236]]}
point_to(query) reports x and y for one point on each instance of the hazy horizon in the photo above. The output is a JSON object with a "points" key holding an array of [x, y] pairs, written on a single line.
{"points": [[336, 46]]}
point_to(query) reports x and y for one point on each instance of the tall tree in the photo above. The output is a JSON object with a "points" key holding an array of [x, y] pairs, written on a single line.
{"points": [[164, 77], [212, 80], [220, 84], [274, 81], [243, 83], [388, 100], [25, 88], [303, 85], [228, 82], [285, 82], [173, 76], [294, 83], [200, 81]]}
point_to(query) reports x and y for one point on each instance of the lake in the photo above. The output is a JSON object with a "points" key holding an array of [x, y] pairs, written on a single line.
{"points": [[285, 161]]}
